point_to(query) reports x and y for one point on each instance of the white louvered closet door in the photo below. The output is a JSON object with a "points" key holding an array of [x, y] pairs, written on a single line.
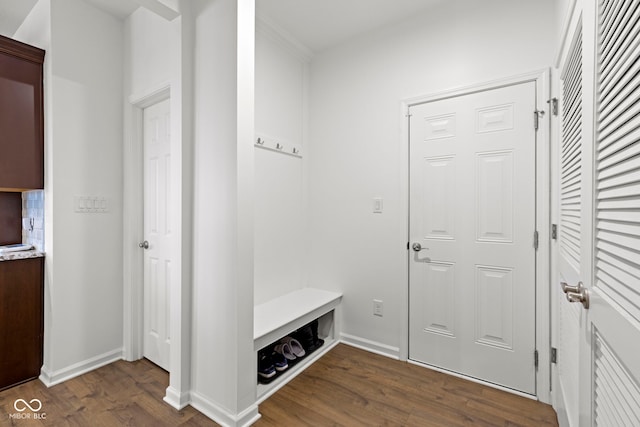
{"points": [[599, 208], [615, 312]]}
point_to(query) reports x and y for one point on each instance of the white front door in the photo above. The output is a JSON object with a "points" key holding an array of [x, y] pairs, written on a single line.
{"points": [[472, 211], [597, 382], [157, 232]]}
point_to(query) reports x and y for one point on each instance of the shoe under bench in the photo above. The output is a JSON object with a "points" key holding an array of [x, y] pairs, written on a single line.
{"points": [[281, 316]]}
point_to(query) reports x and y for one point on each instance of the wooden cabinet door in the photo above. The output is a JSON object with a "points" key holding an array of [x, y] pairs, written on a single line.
{"points": [[21, 320], [21, 116]]}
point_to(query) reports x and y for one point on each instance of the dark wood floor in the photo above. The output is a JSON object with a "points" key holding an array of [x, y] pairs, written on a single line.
{"points": [[119, 394], [352, 387], [347, 387]]}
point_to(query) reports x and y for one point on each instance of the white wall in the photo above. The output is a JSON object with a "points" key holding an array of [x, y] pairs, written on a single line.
{"points": [[223, 364], [158, 54], [562, 14], [83, 314], [280, 106], [355, 140], [148, 55], [280, 87]]}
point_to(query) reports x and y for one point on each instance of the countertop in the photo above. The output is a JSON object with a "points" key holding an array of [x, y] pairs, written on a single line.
{"points": [[10, 256]]}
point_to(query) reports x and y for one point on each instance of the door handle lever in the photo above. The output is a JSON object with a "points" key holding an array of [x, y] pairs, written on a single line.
{"points": [[418, 247], [568, 288], [577, 294]]}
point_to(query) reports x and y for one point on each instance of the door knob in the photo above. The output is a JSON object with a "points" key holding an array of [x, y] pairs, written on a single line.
{"points": [[144, 245], [576, 293], [418, 247]]}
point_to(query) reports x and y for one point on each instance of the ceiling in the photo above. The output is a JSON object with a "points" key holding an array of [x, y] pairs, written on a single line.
{"points": [[321, 24], [13, 12], [118, 8], [317, 24]]}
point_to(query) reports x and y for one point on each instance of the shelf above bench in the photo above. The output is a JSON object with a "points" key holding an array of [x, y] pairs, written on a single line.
{"points": [[280, 316]]}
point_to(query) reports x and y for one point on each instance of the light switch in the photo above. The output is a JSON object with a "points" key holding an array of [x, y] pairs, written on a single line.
{"points": [[91, 204], [79, 203], [377, 205]]}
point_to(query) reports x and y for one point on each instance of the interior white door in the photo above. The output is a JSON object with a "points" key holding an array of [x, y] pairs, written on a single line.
{"points": [[157, 232], [472, 211], [573, 262], [599, 372]]}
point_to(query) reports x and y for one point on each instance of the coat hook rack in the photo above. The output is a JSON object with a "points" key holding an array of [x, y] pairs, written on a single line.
{"points": [[272, 144]]}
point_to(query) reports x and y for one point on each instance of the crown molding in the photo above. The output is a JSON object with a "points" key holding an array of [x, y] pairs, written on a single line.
{"points": [[268, 28]]}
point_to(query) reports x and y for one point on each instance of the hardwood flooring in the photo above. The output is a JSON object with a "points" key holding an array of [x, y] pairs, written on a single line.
{"points": [[119, 394], [346, 387], [352, 387]]}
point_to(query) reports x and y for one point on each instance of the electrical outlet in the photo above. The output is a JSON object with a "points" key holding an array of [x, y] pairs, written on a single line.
{"points": [[377, 307]]}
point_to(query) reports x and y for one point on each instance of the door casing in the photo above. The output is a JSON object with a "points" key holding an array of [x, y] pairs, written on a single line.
{"points": [[543, 203], [133, 224]]}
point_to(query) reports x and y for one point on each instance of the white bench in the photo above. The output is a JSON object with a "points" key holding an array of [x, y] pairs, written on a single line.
{"points": [[280, 316]]}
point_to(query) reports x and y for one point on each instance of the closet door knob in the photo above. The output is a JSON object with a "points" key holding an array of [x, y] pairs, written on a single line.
{"points": [[144, 245]]}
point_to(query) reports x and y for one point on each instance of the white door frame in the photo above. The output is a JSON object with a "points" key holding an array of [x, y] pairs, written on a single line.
{"points": [[178, 392], [133, 213], [543, 199]]}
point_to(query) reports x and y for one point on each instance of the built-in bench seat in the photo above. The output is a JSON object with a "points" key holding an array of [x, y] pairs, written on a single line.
{"points": [[280, 316]]}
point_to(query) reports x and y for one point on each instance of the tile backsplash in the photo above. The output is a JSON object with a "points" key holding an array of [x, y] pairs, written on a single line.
{"points": [[33, 218]]}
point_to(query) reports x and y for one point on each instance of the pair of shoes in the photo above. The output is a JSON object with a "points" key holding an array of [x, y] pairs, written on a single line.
{"points": [[279, 361], [266, 368], [290, 348], [308, 336], [270, 363]]}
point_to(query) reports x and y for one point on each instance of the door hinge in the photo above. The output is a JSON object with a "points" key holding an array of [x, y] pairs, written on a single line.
{"points": [[554, 231], [535, 358], [554, 355], [537, 115], [536, 239], [553, 103]]}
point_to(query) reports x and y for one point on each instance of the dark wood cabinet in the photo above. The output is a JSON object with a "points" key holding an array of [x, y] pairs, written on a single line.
{"points": [[21, 116], [21, 320]]}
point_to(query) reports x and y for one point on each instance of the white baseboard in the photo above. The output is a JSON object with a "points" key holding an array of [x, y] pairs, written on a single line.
{"points": [[176, 399], [223, 417], [371, 346], [56, 377]]}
